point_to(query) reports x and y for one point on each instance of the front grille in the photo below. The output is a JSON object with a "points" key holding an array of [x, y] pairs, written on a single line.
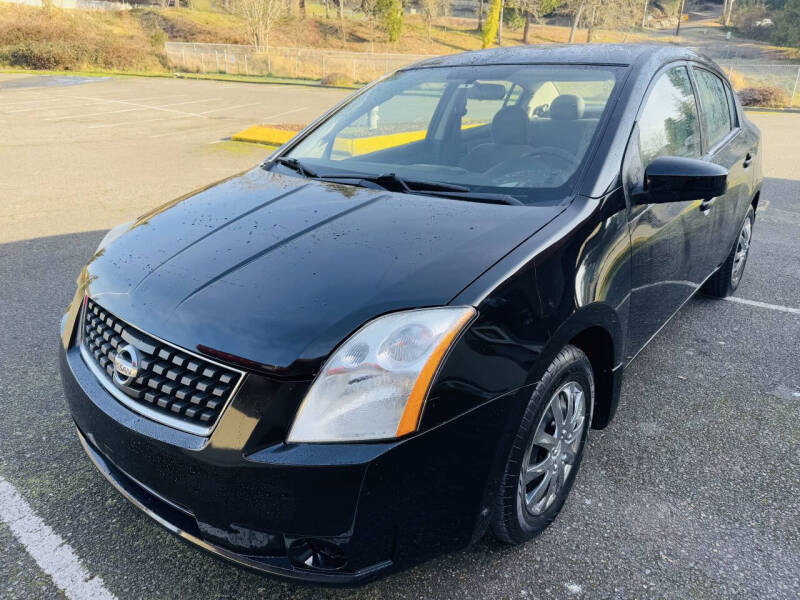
{"points": [[172, 385]]}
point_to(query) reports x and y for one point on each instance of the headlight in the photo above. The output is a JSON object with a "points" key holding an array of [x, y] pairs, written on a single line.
{"points": [[114, 234], [374, 385]]}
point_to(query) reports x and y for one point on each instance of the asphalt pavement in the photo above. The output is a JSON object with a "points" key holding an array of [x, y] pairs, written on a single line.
{"points": [[693, 491]]}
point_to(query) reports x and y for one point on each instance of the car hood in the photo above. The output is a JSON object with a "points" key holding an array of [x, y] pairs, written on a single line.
{"points": [[278, 270]]}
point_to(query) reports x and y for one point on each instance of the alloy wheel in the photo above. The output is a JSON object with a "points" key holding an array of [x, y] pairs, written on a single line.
{"points": [[742, 250], [554, 448]]}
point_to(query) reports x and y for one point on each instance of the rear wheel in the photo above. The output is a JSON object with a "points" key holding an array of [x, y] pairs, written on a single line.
{"points": [[547, 449], [725, 281]]}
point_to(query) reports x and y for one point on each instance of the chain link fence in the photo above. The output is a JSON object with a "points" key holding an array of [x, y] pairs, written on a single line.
{"points": [[304, 63], [361, 67], [752, 74]]}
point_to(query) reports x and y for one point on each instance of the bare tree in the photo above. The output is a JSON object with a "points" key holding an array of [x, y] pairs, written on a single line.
{"points": [[341, 20], [575, 8], [680, 17], [591, 23], [727, 15], [432, 9], [500, 24], [370, 10], [260, 17]]}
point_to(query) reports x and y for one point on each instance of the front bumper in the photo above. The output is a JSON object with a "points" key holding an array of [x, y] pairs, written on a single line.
{"points": [[246, 496]]}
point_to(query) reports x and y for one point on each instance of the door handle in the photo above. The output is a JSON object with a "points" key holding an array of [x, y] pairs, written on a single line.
{"points": [[706, 204], [747, 160]]}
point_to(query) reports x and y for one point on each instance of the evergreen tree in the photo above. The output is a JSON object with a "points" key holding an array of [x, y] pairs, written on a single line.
{"points": [[787, 25], [390, 14]]}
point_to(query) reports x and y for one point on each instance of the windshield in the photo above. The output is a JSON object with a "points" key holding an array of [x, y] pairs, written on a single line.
{"points": [[517, 130]]}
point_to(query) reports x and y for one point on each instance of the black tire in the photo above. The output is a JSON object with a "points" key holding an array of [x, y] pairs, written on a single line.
{"points": [[724, 282], [512, 519]]}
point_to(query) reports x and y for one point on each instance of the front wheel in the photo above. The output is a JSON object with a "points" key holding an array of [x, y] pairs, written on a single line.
{"points": [[725, 281], [547, 449]]}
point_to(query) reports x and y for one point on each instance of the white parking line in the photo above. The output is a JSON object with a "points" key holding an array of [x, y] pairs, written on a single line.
{"points": [[228, 108], [286, 112], [778, 307], [80, 102], [53, 555], [136, 106], [139, 122]]}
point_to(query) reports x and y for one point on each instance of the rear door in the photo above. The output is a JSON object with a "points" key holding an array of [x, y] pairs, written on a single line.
{"points": [[726, 145], [667, 240]]}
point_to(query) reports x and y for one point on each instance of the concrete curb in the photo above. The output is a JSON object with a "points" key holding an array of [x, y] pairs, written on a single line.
{"points": [[758, 109], [265, 80]]}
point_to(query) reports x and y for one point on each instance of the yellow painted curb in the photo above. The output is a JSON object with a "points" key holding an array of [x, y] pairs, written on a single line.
{"points": [[259, 134]]}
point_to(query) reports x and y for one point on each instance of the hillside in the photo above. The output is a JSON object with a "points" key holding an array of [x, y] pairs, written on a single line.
{"points": [[133, 41], [35, 38]]}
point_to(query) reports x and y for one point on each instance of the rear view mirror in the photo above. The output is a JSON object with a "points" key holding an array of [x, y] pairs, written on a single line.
{"points": [[677, 179], [486, 91]]}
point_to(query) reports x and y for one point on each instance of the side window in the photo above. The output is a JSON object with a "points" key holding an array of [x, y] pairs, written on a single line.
{"points": [[716, 109], [669, 125], [732, 106]]}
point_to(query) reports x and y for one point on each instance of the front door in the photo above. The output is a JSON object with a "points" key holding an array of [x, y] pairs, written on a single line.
{"points": [[667, 240]]}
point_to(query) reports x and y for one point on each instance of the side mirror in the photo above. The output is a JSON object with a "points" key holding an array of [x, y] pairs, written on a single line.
{"points": [[677, 179]]}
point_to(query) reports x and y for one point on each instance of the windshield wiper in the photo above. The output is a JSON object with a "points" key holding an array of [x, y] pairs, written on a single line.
{"points": [[486, 197], [296, 165], [395, 183]]}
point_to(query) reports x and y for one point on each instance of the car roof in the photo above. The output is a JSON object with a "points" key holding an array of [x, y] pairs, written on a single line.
{"points": [[600, 54]]}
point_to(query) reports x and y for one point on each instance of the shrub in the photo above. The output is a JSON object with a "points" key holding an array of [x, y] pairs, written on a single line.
{"points": [[746, 18], [336, 79], [738, 80], [45, 55], [767, 96]]}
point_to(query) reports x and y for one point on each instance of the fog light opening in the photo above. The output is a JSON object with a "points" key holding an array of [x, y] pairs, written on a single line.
{"points": [[323, 555]]}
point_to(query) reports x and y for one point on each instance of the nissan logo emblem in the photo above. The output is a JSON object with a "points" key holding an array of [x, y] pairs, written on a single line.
{"points": [[126, 365]]}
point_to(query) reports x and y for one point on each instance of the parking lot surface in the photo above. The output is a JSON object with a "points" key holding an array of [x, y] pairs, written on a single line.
{"points": [[693, 491]]}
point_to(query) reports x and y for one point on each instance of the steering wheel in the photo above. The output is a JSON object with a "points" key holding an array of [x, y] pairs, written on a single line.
{"points": [[541, 110], [520, 168], [553, 152]]}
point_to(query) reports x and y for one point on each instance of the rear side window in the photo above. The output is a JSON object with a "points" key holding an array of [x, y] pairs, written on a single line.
{"points": [[716, 109], [732, 106], [669, 125]]}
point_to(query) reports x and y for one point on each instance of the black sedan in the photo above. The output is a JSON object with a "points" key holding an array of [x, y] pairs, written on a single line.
{"points": [[395, 334]]}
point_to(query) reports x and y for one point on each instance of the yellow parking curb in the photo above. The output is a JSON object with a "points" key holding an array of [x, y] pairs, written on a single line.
{"points": [[259, 134], [262, 134]]}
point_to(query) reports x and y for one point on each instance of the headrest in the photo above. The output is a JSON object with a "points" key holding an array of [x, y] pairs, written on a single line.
{"points": [[510, 126], [567, 107]]}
